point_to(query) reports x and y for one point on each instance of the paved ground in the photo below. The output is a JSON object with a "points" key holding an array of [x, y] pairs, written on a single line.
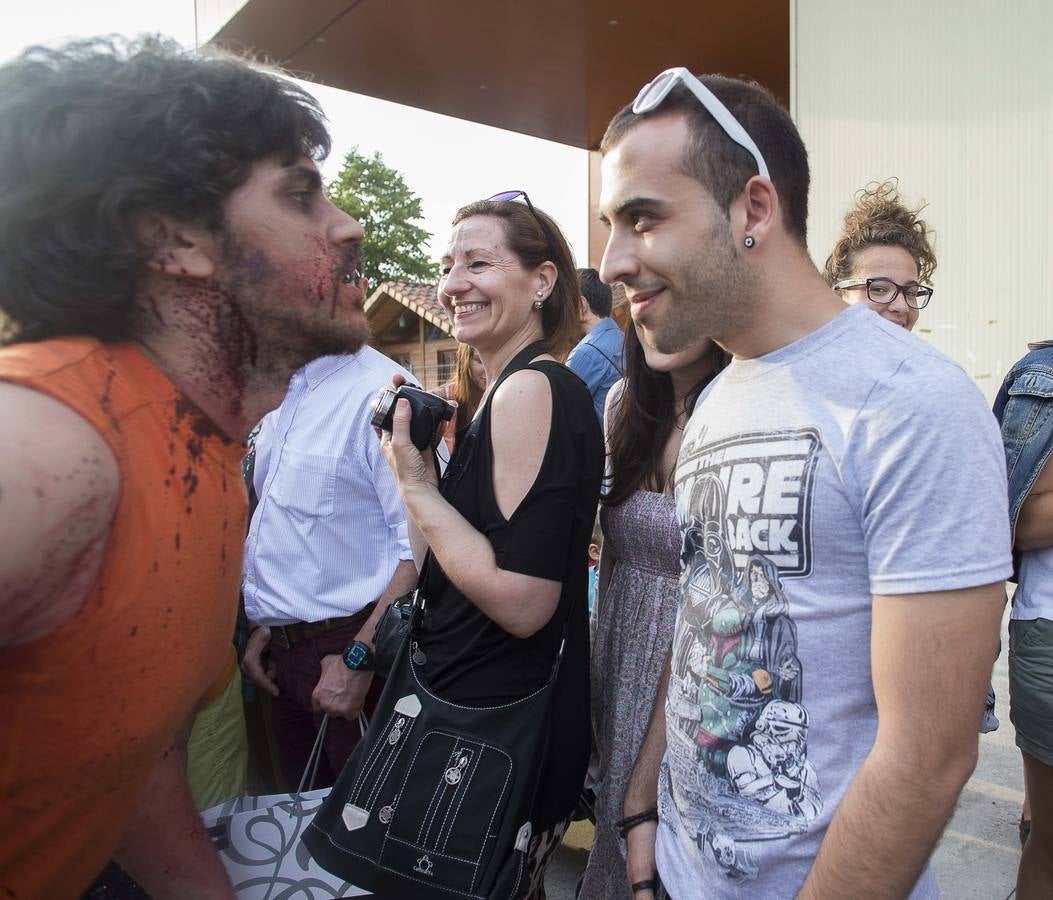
{"points": [[977, 858]]}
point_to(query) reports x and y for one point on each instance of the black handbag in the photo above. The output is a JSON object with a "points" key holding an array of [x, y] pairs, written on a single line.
{"points": [[390, 632], [394, 625], [435, 801]]}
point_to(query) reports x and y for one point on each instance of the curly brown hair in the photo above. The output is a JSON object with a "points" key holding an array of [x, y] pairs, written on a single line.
{"points": [[880, 218]]}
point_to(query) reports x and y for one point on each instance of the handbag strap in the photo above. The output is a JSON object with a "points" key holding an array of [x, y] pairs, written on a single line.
{"points": [[520, 361], [517, 362], [416, 624], [310, 772]]}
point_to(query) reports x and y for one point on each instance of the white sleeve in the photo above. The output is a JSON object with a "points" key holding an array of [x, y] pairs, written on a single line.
{"points": [[388, 494]]}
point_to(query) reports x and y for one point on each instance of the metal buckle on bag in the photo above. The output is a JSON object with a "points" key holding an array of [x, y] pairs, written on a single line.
{"points": [[418, 610]]}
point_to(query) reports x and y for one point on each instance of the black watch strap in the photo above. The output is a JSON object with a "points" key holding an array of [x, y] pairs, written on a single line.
{"points": [[358, 657]]}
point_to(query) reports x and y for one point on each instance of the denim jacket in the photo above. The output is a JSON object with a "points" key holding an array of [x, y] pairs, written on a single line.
{"points": [[1024, 407]]}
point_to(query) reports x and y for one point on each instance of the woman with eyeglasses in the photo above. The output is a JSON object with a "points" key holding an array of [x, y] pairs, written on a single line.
{"points": [[883, 256], [509, 523], [639, 574]]}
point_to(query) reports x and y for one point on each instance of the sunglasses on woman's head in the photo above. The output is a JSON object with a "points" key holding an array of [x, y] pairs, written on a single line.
{"points": [[510, 196]]}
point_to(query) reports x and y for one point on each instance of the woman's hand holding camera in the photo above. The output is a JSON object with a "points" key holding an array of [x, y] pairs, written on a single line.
{"points": [[413, 469]]}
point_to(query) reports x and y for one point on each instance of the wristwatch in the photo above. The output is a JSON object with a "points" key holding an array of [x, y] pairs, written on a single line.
{"points": [[358, 657]]}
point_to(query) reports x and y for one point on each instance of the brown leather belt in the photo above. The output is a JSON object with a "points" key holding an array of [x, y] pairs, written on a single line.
{"points": [[297, 632]]}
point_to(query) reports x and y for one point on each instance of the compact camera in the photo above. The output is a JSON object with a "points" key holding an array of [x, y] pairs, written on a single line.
{"points": [[428, 414]]}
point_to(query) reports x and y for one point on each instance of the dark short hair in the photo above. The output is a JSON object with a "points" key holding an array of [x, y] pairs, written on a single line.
{"points": [[101, 130], [717, 162], [525, 231], [596, 293]]}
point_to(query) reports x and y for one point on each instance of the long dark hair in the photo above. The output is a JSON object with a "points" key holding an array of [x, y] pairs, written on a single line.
{"points": [[644, 419]]}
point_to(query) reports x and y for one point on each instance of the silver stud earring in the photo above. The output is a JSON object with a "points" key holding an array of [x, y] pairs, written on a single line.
{"points": [[538, 304], [749, 242]]}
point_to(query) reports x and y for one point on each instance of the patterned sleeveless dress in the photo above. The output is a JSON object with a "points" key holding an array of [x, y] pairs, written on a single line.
{"points": [[634, 629]]}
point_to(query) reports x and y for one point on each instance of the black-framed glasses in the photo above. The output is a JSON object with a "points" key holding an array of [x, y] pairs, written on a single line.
{"points": [[885, 290], [511, 196], [655, 91]]}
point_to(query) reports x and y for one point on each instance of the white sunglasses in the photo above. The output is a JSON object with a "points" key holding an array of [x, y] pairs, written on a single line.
{"points": [[654, 92]]}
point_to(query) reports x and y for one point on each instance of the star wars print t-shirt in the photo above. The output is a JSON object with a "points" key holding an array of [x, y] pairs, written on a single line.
{"points": [[856, 461]]}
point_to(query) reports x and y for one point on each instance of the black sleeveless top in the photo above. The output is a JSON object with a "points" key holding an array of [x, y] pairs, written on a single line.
{"points": [[471, 659]]}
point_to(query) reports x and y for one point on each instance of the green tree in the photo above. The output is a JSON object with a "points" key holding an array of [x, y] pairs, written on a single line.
{"points": [[379, 198]]}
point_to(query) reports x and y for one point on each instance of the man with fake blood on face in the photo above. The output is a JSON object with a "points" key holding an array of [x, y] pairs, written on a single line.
{"points": [[169, 261]]}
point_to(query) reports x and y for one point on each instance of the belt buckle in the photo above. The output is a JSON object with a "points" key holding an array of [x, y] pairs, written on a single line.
{"points": [[283, 636]]}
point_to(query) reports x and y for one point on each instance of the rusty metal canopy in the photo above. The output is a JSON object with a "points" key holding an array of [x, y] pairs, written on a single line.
{"points": [[554, 69]]}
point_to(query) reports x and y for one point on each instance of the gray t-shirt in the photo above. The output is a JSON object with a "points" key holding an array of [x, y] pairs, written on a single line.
{"points": [[856, 461]]}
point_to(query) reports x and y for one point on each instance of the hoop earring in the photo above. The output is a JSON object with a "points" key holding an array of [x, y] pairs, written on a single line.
{"points": [[749, 241]]}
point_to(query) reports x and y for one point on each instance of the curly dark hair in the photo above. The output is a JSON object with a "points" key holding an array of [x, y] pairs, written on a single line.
{"points": [[880, 218], [101, 130]]}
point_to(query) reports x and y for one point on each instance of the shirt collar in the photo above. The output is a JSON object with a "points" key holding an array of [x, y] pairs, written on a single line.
{"points": [[318, 370]]}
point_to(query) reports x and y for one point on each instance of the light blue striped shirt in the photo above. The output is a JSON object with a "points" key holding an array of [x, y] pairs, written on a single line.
{"points": [[330, 527]]}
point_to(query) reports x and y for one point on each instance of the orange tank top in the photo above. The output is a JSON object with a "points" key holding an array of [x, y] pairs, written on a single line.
{"points": [[89, 709]]}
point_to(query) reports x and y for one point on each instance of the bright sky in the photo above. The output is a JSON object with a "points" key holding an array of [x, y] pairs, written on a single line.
{"points": [[447, 162]]}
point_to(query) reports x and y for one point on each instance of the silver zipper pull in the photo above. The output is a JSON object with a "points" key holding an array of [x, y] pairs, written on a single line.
{"points": [[395, 734], [419, 659], [454, 773]]}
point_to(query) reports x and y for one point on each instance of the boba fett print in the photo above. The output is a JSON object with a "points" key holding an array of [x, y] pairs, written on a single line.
{"points": [[800, 498], [736, 714]]}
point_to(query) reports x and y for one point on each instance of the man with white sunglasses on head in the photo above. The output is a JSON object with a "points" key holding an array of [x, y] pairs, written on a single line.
{"points": [[836, 490]]}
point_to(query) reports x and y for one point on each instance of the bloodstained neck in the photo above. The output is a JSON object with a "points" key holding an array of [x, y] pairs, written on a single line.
{"points": [[199, 338]]}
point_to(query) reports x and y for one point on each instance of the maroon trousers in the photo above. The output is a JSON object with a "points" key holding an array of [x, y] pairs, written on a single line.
{"points": [[295, 723]]}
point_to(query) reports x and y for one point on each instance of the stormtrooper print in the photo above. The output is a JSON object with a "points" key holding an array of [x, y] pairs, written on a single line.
{"points": [[737, 719]]}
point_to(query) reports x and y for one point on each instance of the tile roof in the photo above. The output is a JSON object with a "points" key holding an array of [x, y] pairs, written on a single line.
{"points": [[421, 298], [418, 297]]}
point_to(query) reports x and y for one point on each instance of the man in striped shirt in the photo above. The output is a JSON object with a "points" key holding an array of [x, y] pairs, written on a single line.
{"points": [[327, 550]]}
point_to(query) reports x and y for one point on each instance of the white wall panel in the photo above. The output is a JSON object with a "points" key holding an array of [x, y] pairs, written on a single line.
{"points": [[955, 98]]}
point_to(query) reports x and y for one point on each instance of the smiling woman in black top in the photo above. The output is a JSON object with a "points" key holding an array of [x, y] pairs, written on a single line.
{"points": [[509, 523]]}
